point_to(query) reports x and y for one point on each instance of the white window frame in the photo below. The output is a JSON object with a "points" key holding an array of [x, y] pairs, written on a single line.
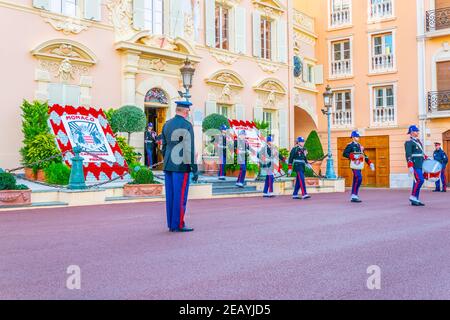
{"points": [[371, 37], [229, 107], [222, 6], [331, 57], [64, 87], [273, 121], [150, 14], [371, 19], [352, 107], [372, 88], [340, 26], [273, 46], [56, 6]]}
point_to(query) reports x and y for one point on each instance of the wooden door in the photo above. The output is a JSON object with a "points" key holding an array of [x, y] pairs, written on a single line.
{"points": [[441, 4], [443, 76], [377, 149], [446, 148]]}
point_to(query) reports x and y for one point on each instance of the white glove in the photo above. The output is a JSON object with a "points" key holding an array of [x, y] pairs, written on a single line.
{"points": [[411, 170], [289, 172], [372, 167]]}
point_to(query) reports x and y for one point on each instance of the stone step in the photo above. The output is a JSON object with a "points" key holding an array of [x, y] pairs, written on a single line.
{"points": [[236, 192]]}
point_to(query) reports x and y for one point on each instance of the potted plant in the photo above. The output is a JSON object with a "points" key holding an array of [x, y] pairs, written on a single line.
{"points": [[315, 151], [57, 174], [211, 127], [12, 194], [42, 147], [143, 184]]}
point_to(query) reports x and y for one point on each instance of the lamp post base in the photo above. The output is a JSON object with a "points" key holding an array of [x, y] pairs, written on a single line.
{"points": [[331, 175]]}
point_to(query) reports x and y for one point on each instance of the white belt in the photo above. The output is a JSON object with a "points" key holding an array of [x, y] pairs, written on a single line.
{"points": [[418, 155], [301, 161]]}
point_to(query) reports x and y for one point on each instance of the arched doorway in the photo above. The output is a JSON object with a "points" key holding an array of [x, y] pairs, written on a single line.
{"points": [[446, 148], [156, 103], [303, 123]]}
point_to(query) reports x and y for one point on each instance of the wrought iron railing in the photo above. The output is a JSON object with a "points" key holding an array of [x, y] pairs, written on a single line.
{"points": [[438, 19], [438, 101]]}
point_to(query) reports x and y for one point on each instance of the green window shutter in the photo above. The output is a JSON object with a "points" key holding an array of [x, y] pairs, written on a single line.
{"points": [[176, 19], [42, 4], [240, 30], [239, 111], [283, 127], [139, 14], [282, 40], [210, 23], [256, 34], [210, 107], [93, 9]]}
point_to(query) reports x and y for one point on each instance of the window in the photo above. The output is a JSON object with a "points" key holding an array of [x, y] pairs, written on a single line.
{"points": [[65, 7], [384, 105], [342, 115], [156, 95], [224, 110], [267, 118], [381, 9], [222, 27], [341, 64], [153, 16], [266, 38], [310, 73], [340, 13], [64, 94], [382, 53]]}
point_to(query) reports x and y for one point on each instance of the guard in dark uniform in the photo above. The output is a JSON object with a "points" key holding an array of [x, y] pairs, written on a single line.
{"points": [[242, 150], [222, 146], [298, 162], [355, 152], [440, 156], [150, 144], [266, 156], [415, 157], [179, 162]]}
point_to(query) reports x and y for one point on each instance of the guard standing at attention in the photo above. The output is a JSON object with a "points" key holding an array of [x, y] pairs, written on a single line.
{"points": [[355, 152], [179, 161], [266, 157], [440, 156], [298, 162], [415, 156], [242, 150], [150, 144], [222, 147]]}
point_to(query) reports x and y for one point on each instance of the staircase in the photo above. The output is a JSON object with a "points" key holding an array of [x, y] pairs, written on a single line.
{"points": [[224, 188]]}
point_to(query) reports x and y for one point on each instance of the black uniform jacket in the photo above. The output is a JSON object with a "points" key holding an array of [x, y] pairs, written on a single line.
{"points": [[178, 145], [297, 159], [354, 147], [414, 153]]}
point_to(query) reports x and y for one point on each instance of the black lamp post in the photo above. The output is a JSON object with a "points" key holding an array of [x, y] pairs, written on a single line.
{"points": [[187, 74]]}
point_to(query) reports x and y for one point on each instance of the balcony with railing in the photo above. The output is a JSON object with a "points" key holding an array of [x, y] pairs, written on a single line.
{"points": [[437, 20], [384, 116], [439, 103], [342, 118], [382, 63], [381, 10], [339, 18], [341, 68]]}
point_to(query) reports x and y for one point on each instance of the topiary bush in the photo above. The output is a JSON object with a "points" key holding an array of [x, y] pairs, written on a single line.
{"points": [[7, 181], [42, 147], [57, 173], [142, 175], [314, 146], [214, 121], [128, 119]]}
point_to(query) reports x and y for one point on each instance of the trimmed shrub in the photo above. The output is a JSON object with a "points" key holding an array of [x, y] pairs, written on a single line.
{"points": [[214, 121], [142, 176], [314, 146], [57, 173], [128, 119], [7, 181], [42, 147]]}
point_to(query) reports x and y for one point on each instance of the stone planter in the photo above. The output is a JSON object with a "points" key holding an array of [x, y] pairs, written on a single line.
{"points": [[15, 197], [40, 176], [210, 166], [235, 173], [312, 182], [142, 190], [29, 174]]}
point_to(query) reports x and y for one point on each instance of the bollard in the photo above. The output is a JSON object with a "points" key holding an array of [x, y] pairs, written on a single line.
{"points": [[77, 181]]}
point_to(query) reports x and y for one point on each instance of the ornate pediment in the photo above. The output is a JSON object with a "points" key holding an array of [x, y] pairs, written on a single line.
{"points": [[226, 78], [271, 85], [270, 7], [65, 50]]}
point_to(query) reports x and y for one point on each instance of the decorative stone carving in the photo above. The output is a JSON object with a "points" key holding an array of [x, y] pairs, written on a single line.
{"points": [[224, 58], [271, 8], [67, 25], [226, 77], [65, 50], [188, 24], [121, 17], [64, 70], [271, 86], [271, 99], [226, 93], [158, 41], [268, 67], [154, 64]]}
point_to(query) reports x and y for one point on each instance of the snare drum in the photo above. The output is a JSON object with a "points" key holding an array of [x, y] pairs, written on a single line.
{"points": [[432, 169]]}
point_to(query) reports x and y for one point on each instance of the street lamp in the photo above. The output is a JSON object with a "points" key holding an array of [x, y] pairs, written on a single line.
{"points": [[328, 102], [187, 73]]}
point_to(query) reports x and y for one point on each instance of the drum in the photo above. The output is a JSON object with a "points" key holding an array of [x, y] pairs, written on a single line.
{"points": [[358, 164], [432, 169]]}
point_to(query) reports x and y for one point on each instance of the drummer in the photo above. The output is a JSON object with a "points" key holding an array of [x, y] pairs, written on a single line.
{"points": [[415, 156], [440, 156]]}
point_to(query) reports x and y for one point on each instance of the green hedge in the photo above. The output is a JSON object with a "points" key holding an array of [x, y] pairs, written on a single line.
{"points": [[314, 146], [57, 173], [214, 121]]}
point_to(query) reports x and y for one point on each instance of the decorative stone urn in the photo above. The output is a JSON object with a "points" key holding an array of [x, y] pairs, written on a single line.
{"points": [[142, 190], [15, 198], [210, 166], [312, 182]]}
